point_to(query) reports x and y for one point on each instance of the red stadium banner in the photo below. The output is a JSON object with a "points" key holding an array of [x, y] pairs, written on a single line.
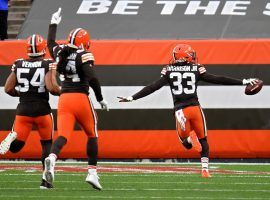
{"points": [[155, 144], [153, 52]]}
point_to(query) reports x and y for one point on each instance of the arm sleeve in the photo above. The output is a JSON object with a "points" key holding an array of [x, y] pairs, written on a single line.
{"points": [[223, 80], [90, 75], [149, 89], [51, 38]]}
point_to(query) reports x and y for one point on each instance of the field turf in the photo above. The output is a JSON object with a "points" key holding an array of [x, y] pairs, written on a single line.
{"points": [[21, 180]]}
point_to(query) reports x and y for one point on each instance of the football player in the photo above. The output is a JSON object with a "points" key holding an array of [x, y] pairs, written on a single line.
{"points": [[76, 69], [30, 80], [183, 75]]}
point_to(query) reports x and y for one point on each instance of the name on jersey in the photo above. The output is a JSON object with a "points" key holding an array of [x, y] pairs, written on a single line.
{"points": [[183, 68], [31, 64]]}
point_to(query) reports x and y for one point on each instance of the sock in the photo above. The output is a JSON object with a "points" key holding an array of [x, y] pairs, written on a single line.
{"points": [[58, 145], [92, 169], [189, 140], [46, 147], [53, 157], [204, 161], [92, 151]]}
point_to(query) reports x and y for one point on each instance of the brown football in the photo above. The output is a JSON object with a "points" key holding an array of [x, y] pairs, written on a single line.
{"points": [[254, 89]]}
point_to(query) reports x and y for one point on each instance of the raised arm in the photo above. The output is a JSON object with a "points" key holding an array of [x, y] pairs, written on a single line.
{"points": [[56, 19]]}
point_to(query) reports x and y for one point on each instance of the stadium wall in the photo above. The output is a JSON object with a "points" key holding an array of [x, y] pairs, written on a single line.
{"points": [[239, 125]]}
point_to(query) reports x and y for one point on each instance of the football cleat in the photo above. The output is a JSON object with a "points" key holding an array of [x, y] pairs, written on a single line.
{"points": [[195, 142], [5, 144], [205, 173], [93, 179], [49, 170], [45, 185]]}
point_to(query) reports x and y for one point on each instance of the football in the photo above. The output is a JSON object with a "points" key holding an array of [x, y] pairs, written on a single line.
{"points": [[254, 89]]}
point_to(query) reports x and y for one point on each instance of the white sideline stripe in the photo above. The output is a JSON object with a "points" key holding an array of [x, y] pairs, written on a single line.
{"points": [[125, 174], [151, 182], [137, 197], [209, 96], [128, 163], [148, 189]]}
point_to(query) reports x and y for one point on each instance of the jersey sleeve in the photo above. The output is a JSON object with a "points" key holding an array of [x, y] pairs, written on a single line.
{"points": [[49, 65], [87, 57], [15, 66], [202, 69], [163, 72]]}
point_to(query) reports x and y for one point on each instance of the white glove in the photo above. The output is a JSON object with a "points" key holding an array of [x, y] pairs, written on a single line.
{"points": [[56, 17], [125, 99], [251, 81], [181, 119], [104, 105]]}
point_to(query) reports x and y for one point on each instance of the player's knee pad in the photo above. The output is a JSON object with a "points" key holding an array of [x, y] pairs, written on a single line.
{"points": [[16, 146], [205, 147], [186, 144]]}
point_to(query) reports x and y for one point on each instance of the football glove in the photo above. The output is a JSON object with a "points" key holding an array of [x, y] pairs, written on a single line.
{"points": [[181, 119], [125, 99], [104, 105], [251, 81], [56, 17]]}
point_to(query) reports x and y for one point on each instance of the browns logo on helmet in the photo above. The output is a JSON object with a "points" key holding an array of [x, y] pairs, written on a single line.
{"points": [[184, 53], [36, 46], [79, 38]]}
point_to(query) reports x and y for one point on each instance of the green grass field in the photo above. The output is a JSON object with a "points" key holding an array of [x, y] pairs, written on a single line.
{"points": [[138, 181]]}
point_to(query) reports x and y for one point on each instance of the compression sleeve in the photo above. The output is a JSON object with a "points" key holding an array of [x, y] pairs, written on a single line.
{"points": [[223, 80], [51, 38], [149, 89], [90, 75]]}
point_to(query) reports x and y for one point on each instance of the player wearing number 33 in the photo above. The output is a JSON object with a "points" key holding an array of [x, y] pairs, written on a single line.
{"points": [[183, 75], [30, 80]]}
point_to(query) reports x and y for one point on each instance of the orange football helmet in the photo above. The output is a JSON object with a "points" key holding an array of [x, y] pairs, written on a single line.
{"points": [[184, 53], [36, 45], [79, 38]]}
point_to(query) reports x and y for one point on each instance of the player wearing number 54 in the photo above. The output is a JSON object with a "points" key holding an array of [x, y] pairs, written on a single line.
{"points": [[30, 80], [183, 74]]}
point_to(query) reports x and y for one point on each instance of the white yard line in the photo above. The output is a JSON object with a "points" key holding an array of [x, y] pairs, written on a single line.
{"points": [[147, 189], [152, 182], [128, 163], [117, 197], [124, 174]]}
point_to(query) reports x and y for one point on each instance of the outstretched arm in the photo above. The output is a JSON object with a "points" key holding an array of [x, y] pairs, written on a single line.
{"points": [[223, 80], [149, 89]]}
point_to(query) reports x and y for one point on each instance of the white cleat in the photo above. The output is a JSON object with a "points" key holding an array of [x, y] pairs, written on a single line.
{"points": [[49, 170], [93, 180], [5, 144]]}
